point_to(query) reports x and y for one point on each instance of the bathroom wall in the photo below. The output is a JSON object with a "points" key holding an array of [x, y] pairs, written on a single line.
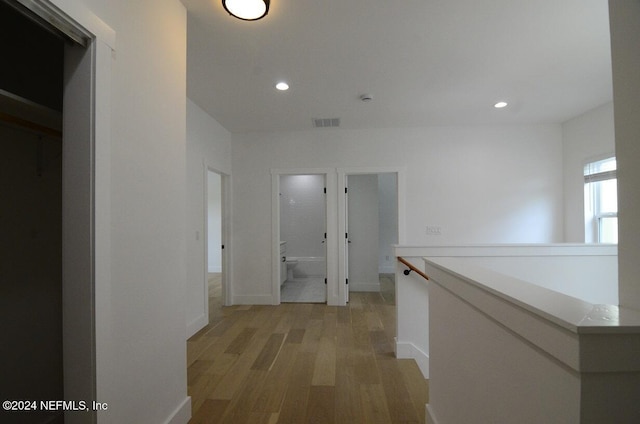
{"points": [[302, 214]]}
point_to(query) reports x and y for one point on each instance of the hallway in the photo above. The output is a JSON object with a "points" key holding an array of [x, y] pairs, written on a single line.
{"points": [[303, 363]]}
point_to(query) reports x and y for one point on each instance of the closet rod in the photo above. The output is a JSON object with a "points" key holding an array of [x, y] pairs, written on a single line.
{"points": [[14, 120]]}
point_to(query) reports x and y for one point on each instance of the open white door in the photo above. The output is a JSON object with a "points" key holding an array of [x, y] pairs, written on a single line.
{"points": [[363, 232]]}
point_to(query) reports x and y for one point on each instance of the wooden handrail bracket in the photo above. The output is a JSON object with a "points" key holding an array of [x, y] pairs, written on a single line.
{"points": [[412, 268]]}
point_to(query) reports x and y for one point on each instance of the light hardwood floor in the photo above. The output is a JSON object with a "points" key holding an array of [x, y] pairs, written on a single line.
{"points": [[304, 363]]}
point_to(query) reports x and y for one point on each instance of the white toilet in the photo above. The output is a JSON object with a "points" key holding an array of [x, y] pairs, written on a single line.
{"points": [[291, 264], [286, 264]]}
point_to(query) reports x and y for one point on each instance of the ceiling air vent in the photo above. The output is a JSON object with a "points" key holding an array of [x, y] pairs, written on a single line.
{"points": [[326, 122]]}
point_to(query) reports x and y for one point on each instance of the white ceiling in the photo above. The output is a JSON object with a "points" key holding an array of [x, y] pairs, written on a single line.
{"points": [[426, 62]]}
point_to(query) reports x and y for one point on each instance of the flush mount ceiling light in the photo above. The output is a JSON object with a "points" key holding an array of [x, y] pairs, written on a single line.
{"points": [[282, 86], [247, 10], [500, 105]]}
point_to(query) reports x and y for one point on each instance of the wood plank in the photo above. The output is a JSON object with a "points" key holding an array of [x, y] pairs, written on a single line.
{"points": [[222, 363], [304, 363], [234, 380], [312, 336], [294, 406], [348, 403], [275, 386], [210, 412], [374, 404], [344, 315], [381, 344], [324, 370], [399, 403], [240, 343], [318, 311], [197, 370], [417, 385], [302, 372], [321, 407], [268, 353], [295, 335], [201, 390]]}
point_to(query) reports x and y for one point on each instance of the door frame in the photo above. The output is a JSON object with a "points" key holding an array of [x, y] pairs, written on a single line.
{"points": [[331, 226], [86, 196], [343, 290]]}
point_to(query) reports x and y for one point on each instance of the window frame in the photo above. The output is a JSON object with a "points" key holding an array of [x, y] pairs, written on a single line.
{"points": [[594, 216]]}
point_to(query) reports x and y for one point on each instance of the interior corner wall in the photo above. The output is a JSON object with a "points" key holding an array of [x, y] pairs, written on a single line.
{"points": [[141, 351], [587, 137], [625, 38], [208, 145], [479, 184]]}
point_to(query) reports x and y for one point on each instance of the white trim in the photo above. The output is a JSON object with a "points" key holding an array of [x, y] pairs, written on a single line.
{"points": [[182, 414], [563, 249], [78, 14], [407, 350], [431, 417], [102, 48], [197, 324]]}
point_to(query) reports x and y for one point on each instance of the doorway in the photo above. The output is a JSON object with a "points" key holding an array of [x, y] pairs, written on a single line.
{"points": [[81, 185], [215, 287], [371, 216], [303, 238], [31, 215]]}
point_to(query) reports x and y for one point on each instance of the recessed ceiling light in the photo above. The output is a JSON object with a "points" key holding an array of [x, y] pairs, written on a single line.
{"points": [[500, 105], [282, 86]]}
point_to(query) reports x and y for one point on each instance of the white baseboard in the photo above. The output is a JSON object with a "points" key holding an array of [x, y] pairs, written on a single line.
{"points": [[252, 300], [364, 287], [431, 417], [407, 350], [182, 414], [196, 325]]}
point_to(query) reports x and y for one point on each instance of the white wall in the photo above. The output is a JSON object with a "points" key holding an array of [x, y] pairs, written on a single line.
{"points": [[140, 346], [214, 222], [625, 36], [302, 214], [478, 183], [587, 137], [208, 146]]}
